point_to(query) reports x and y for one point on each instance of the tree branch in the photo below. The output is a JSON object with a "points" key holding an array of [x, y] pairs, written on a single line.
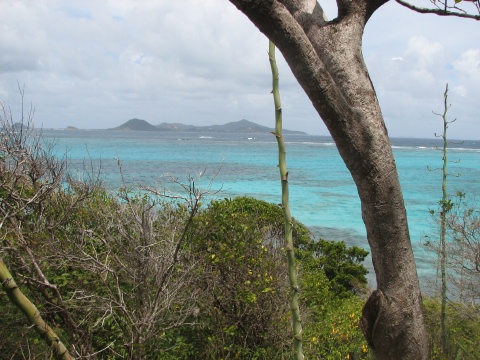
{"points": [[25, 305], [438, 11]]}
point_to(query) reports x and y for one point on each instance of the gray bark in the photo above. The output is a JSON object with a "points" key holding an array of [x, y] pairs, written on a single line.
{"points": [[326, 58]]}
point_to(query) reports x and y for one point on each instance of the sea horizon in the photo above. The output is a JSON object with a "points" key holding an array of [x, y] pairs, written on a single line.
{"points": [[452, 142]]}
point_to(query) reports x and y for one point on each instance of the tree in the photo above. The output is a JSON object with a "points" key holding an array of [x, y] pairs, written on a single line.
{"points": [[326, 59]]}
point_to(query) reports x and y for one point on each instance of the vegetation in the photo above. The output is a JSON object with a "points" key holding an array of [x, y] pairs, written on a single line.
{"points": [[458, 257], [325, 56], [445, 206], [146, 274], [288, 223], [462, 330]]}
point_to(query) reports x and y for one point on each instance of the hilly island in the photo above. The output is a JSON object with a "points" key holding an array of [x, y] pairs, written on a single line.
{"points": [[242, 126]]}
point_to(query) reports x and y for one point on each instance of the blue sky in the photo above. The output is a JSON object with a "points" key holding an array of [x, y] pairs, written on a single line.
{"points": [[96, 64]]}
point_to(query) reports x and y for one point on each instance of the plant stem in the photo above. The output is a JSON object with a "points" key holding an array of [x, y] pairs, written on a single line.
{"points": [[33, 315], [445, 208], [282, 164]]}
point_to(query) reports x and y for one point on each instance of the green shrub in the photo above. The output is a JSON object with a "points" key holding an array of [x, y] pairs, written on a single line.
{"points": [[463, 330], [229, 281], [245, 312], [244, 309]]}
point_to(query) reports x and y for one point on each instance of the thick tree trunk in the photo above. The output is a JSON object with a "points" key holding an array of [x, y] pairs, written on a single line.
{"points": [[326, 58]]}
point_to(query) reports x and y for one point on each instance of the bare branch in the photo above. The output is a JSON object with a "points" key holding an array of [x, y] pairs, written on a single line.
{"points": [[445, 11]]}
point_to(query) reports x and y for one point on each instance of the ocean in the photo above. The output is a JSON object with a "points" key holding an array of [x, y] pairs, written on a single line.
{"points": [[322, 193]]}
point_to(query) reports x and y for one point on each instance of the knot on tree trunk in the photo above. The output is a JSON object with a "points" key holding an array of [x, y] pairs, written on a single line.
{"points": [[370, 315], [388, 324]]}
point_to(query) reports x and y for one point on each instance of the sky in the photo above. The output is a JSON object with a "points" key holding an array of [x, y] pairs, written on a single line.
{"points": [[96, 64]]}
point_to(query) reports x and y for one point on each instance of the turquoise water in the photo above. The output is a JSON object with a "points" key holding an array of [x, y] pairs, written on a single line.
{"points": [[322, 193]]}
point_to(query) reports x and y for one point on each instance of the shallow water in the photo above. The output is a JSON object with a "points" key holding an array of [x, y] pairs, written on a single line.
{"points": [[322, 193]]}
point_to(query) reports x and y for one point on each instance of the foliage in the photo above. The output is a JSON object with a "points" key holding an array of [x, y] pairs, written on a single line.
{"points": [[333, 284], [463, 222], [137, 275], [463, 330], [32, 314], [341, 265], [239, 294], [243, 275], [457, 252], [332, 331], [242, 240]]}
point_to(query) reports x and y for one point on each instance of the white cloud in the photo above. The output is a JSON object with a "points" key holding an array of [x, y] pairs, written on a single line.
{"points": [[97, 64], [423, 52], [468, 68], [460, 90]]}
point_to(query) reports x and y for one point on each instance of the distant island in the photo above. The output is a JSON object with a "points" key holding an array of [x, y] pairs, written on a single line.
{"points": [[242, 126]]}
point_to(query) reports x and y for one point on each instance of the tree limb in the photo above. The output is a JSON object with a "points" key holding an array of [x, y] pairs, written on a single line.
{"points": [[438, 11]]}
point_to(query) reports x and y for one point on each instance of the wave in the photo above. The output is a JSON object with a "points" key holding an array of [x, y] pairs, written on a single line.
{"points": [[312, 143]]}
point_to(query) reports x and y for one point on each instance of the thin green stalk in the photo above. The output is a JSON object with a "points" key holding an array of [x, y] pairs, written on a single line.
{"points": [[446, 206], [33, 315], [282, 164]]}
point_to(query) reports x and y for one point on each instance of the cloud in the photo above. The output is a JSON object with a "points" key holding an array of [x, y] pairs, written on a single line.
{"points": [[411, 83], [460, 90], [424, 52], [96, 64], [469, 63], [468, 68]]}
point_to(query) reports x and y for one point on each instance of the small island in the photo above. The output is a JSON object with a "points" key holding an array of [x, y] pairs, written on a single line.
{"points": [[242, 126]]}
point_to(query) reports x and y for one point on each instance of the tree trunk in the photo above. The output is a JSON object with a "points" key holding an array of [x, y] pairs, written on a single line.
{"points": [[326, 58]]}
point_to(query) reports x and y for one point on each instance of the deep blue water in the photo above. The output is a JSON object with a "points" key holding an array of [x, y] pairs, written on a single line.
{"points": [[322, 193]]}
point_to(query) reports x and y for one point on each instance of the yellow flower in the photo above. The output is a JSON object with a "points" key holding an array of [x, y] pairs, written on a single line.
{"points": [[364, 348]]}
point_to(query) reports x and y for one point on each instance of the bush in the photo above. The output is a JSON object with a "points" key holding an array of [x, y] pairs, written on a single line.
{"points": [[244, 307], [245, 311], [133, 275], [463, 330]]}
